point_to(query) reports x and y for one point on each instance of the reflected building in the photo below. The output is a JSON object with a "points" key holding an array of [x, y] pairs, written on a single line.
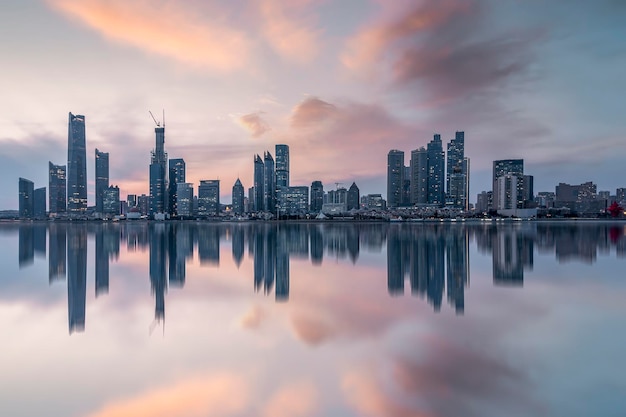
{"points": [[158, 270], [209, 245], [26, 245], [57, 255], [76, 277]]}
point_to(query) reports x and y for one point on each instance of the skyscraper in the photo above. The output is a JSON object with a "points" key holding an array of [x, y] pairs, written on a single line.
{"points": [[26, 198], [102, 178], [508, 184], [269, 183], [436, 158], [457, 172], [395, 177], [209, 197], [419, 176], [317, 196], [158, 173], [76, 165], [238, 197], [259, 175], [177, 175], [57, 188], [353, 198], [184, 199], [39, 203], [111, 201], [282, 166]]}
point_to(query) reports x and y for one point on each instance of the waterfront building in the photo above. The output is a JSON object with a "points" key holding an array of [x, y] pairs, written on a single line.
{"points": [[57, 188], [317, 196], [258, 201], [282, 166], [158, 173], [111, 201], [26, 190], [353, 197], [238, 198], [76, 165], [102, 178], [177, 174], [184, 199], [395, 177], [269, 183], [209, 198], [419, 176], [436, 158], [39, 203]]}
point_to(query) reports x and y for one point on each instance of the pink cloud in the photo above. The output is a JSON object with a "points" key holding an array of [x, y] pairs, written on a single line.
{"points": [[254, 123], [165, 28], [298, 399]]}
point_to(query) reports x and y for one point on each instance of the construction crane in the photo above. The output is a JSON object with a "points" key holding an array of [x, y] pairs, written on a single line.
{"points": [[158, 123]]}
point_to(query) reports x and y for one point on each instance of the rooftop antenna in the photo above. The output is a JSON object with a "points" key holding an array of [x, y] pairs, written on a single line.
{"points": [[163, 119], [155, 120]]}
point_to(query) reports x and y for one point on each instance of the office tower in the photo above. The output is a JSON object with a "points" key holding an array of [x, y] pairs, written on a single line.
{"points": [[102, 178], [406, 186], [508, 191], [57, 188], [282, 166], [184, 199], [76, 276], [259, 176], [353, 197], [158, 179], [250, 206], [143, 202], [131, 200], [293, 200], [177, 174], [269, 183], [317, 196], [419, 176], [209, 197], [39, 203], [436, 158], [76, 165], [620, 194], [26, 198], [395, 177], [457, 172], [238, 197], [111, 201], [484, 201]]}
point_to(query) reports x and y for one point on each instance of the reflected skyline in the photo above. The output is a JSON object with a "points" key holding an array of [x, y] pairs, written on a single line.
{"points": [[435, 258]]}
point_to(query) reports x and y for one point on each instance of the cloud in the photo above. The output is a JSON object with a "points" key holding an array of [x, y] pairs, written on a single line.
{"points": [[297, 399], [312, 111], [254, 123], [289, 28], [164, 28], [216, 395]]}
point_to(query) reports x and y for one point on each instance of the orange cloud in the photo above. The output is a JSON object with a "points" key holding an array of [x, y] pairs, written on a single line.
{"points": [[254, 123], [164, 28], [297, 399], [289, 29], [216, 395]]}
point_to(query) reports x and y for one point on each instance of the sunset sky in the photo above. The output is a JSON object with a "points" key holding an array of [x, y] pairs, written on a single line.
{"points": [[340, 82]]}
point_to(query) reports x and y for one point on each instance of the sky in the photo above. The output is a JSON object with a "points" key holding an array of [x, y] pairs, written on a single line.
{"points": [[340, 82]]}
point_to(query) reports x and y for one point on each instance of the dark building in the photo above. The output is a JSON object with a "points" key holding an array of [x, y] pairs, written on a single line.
{"points": [[76, 165], [436, 159], [259, 178], [158, 180], [26, 198], [269, 183], [395, 178], [143, 202], [56, 260], [317, 196], [76, 277], [507, 166], [457, 174], [282, 166], [353, 198], [209, 197], [102, 178], [419, 176], [57, 188], [39, 203], [238, 194], [111, 201], [177, 174]]}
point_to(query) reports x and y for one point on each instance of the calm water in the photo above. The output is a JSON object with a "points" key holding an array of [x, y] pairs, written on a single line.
{"points": [[140, 319]]}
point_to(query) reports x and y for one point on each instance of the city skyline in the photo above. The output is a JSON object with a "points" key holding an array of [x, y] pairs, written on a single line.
{"points": [[341, 84]]}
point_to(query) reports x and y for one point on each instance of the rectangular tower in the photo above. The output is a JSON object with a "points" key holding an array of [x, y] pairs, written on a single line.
{"points": [[102, 178], [76, 165], [57, 188]]}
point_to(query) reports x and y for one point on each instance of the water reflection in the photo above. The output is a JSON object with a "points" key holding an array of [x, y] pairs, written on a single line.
{"points": [[434, 257]]}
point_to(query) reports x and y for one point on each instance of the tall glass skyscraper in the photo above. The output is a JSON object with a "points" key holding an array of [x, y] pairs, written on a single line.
{"points": [[282, 166], [158, 174], [76, 165], [177, 175], [457, 173], [57, 188], [238, 197], [269, 183], [317, 196], [395, 177], [259, 175], [436, 160], [419, 176], [26, 198], [102, 178]]}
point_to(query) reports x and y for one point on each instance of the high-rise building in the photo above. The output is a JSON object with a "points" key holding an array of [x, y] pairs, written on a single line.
{"points": [[57, 188], [158, 173], [317, 196], [457, 173], [143, 202], [209, 197], [177, 175], [111, 201], [484, 201], [507, 166], [39, 203], [282, 166], [353, 198], [269, 183], [259, 179], [504, 197], [436, 158], [238, 197], [76, 165], [294, 200], [184, 199], [131, 200], [419, 176], [395, 177], [26, 198], [102, 178]]}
